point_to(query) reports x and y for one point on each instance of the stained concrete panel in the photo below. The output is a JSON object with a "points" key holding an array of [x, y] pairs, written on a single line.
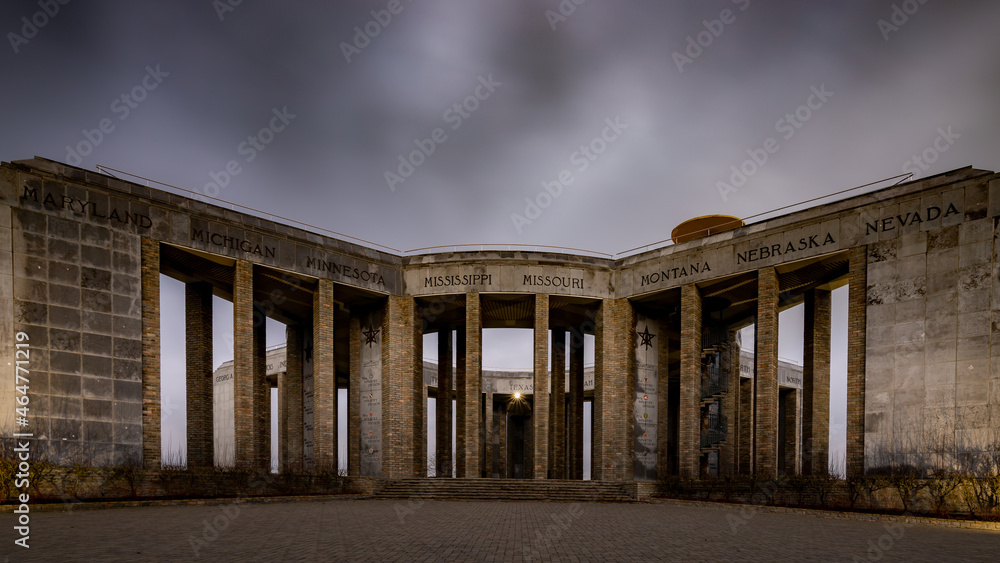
{"points": [[7, 335], [939, 288], [67, 265], [371, 395], [645, 401]]}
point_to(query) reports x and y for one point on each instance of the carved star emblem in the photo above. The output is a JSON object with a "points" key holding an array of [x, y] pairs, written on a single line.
{"points": [[646, 336], [371, 335]]}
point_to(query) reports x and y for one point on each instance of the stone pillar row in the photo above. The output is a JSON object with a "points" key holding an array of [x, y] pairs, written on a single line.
{"points": [[560, 454], [752, 405], [556, 439], [251, 392]]}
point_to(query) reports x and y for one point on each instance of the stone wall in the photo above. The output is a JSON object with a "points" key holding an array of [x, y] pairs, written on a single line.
{"points": [[930, 304], [7, 334], [76, 281], [80, 267]]}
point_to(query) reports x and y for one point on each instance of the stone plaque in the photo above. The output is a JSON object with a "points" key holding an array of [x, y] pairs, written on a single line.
{"points": [[557, 280], [371, 394], [646, 343]]}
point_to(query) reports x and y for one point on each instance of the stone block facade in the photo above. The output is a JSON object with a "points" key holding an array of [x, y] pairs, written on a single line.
{"points": [[81, 255], [77, 291], [930, 303]]}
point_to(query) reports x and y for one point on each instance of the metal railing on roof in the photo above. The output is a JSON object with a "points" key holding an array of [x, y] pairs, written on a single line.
{"points": [[661, 243], [505, 247], [476, 247], [233, 207]]}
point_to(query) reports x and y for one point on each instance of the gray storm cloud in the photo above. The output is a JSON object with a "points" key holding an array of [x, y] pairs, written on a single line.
{"points": [[699, 84]]}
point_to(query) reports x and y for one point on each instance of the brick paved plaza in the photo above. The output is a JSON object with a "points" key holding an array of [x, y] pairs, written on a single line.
{"points": [[363, 530]]}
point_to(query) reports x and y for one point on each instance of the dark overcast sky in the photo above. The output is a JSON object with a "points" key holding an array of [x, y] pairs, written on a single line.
{"points": [[686, 128], [898, 88]]}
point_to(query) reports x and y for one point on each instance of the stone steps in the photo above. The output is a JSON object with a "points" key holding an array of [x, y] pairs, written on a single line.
{"points": [[505, 489]]}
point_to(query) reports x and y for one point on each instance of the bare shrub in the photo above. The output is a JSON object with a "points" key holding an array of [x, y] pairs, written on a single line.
{"points": [[940, 487], [127, 476], [823, 486], [800, 484]]}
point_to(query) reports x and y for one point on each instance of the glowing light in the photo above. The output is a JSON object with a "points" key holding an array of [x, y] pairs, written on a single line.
{"points": [[517, 395]]}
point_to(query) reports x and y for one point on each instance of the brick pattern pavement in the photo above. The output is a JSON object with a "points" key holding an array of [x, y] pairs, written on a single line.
{"points": [[364, 530]]}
